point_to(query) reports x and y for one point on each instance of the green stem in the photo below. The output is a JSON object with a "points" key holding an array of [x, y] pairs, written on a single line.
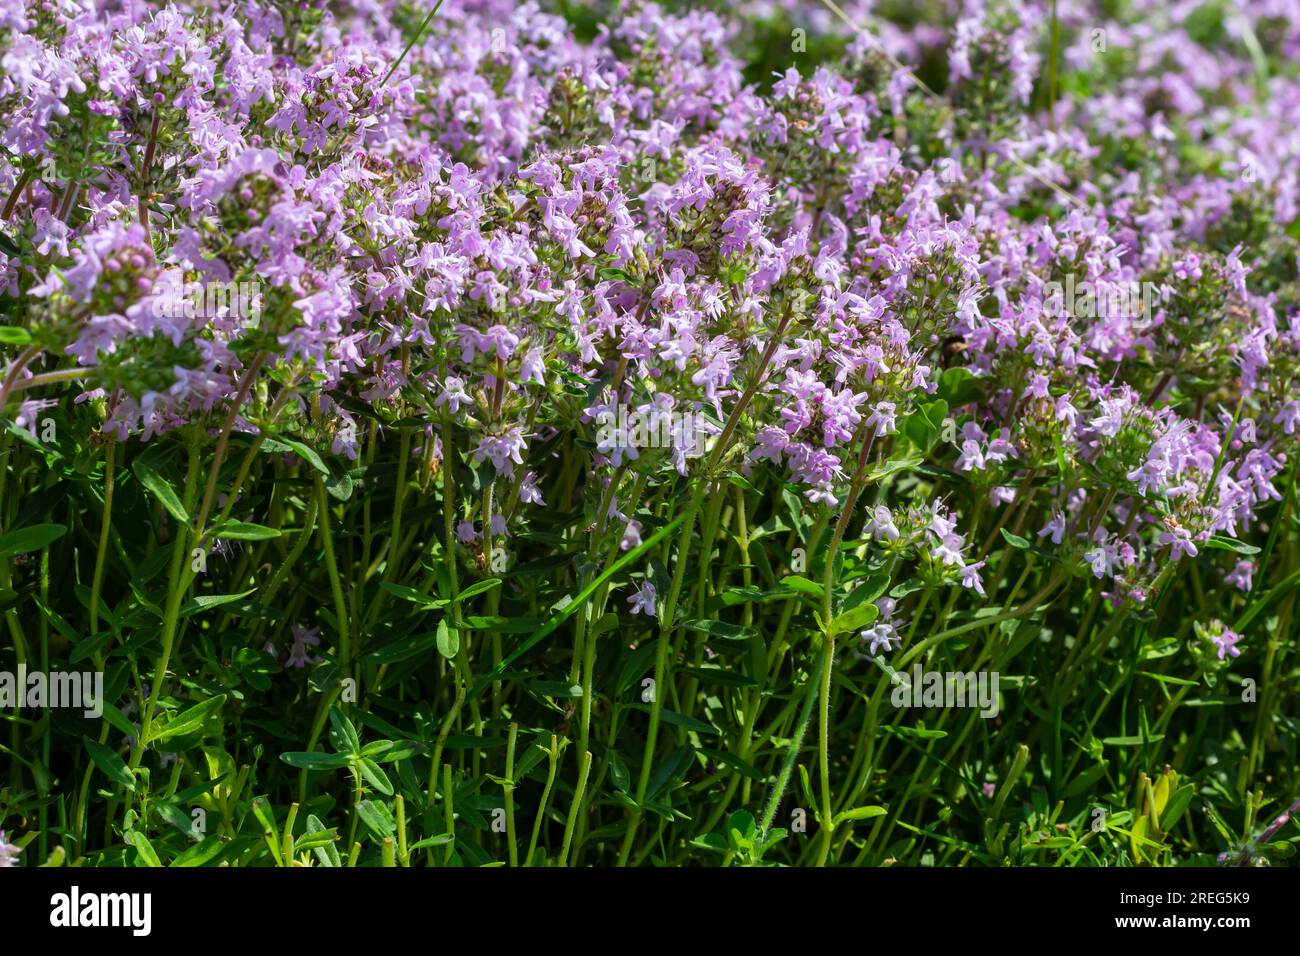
{"points": [[584, 768], [553, 755], [823, 746], [332, 570], [792, 752]]}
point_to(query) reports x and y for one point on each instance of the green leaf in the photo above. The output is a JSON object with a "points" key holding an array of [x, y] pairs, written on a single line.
{"points": [[607, 273], [801, 584], [402, 650], [315, 761], [502, 625], [721, 630], [378, 748], [188, 721], [894, 465], [201, 853], [176, 816], [32, 538], [340, 486], [712, 842], [1178, 803], [448, 640], [741, 829], [1085, 781], [733, 596], [478, 588], [861, 813], [924, 425], [440, 839], [13, 335], [327, 855], [864, 615], [307, 454], [245, 531], [1131, 741], [262, 811], [376, 777], [1015, 540], [161, 490], [618, 772], [316, 840], [411, 594], [920, 733], [868, 591], [957, 386], [377, 818], [1224, 543], [1170, 679], [118, 719], [344, 735], [107, 760], [142, 846], [205, 601], [669, 772]]}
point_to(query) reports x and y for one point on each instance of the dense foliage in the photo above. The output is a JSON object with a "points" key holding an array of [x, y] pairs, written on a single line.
{"points": [[596, 424]]}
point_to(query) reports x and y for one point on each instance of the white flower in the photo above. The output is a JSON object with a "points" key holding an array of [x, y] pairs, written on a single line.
{"points": [[881, 635]]}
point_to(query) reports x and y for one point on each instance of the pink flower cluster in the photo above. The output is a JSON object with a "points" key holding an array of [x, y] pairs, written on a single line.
{"points": [[510, 230]]}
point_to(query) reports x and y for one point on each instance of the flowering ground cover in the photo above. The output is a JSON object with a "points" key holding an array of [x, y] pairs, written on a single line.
{"points": [[625, 434]]}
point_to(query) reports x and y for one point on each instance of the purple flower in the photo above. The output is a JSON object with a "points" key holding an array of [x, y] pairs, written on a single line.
{"points": [[529, 493], [8, 851], [453, 394], [948, 550], [881, 524], [1054, 529], [1226, 643], [1240, 577], [881, 635], [303, 638], [1102, 559], [643, 601], [884, 633], [532, 368], [1180, 541], [881, 420], [502, 450]]}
